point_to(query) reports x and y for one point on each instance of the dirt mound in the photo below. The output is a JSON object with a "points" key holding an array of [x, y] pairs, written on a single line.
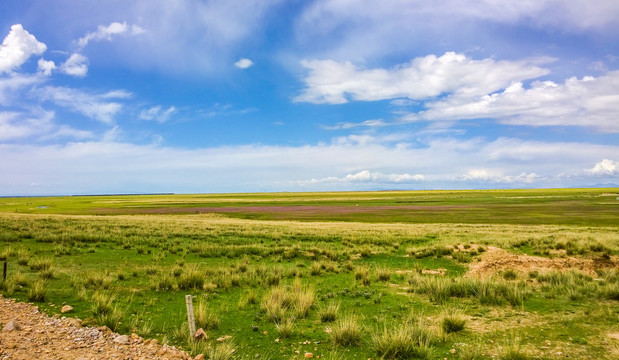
{"points": [[496, 259], [29, 334]]}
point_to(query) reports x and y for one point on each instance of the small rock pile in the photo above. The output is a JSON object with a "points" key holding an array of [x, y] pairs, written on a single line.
{"points": [[29, 334]]}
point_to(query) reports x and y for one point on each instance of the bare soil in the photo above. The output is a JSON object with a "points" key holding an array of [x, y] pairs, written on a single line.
{"points": [[43, 337], [495, 259]]}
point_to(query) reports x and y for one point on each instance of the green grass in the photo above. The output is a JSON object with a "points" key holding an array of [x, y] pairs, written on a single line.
{"points": [[348, 272]]}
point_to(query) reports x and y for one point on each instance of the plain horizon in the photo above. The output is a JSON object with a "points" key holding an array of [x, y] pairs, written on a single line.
{"points": [[322, 95]]}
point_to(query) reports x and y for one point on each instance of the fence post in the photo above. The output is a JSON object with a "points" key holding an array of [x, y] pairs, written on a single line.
{"points": [[190, 319]]}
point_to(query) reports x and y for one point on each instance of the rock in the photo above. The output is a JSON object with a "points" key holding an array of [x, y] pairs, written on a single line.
{"points": [[200, 334], [66, 309], [308, 355], [13, 325], [199, 357], [122, 340], [224, 338]]}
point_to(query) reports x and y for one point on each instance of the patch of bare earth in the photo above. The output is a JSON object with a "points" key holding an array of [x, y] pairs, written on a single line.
{"points": [[29, 334], [495, 259]]}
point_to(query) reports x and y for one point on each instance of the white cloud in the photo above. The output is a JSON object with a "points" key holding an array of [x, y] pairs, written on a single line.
{"points": [[76, 65], [359, 29], [590, 101], [605, 167], [497, 176], [155, 113], [45, 67], [94, 106], [108, 166], [426, 77], [12, 87], [366, 176], [18, 46], [107, 32], [243, 63], [350, 125]]}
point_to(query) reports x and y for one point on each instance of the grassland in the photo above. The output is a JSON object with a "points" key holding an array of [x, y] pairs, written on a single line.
{"points": [[397, 275]]}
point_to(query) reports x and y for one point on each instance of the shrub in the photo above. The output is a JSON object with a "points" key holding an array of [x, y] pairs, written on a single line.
{"points": [[346, 332]]}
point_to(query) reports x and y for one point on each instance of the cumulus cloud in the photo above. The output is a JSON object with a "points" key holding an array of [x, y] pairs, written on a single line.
{"points": [[45, 67], [494, 176], [94, 106], [18, 46], [590, 101], [76, 65], [108, 32], [243, 63], [366, 176], [156, 113], [605, 167], [426, 77]]}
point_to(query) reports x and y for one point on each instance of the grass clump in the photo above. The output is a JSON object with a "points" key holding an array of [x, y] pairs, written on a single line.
{"points": [[285, 327], [38, 291], [40, 264], [405, 341], [221, 351], [346, 332], [205, 318], [329, 313], [191, 278], [296, 299], [453, 322]]}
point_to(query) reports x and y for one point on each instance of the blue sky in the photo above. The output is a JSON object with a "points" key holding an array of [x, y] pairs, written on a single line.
{"points": [[243, 95]]}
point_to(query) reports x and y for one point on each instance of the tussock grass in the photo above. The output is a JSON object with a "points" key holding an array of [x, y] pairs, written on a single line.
{"points": [[40, 264], [221, 351], [191, 278], [346, 332], [329, 313], [285, 327], [38, 291], [205, 317], [404, 341], [452, 322], [296, 299]]}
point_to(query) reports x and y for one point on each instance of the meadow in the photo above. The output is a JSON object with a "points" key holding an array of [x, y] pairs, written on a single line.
{"points": [[510, 274]]}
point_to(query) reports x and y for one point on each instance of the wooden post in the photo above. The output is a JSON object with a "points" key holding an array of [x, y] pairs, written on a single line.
{"points": [[190, 319], [4, 272]]}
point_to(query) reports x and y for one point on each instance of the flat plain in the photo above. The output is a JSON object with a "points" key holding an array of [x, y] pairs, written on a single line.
{"points": [[503, 274]]}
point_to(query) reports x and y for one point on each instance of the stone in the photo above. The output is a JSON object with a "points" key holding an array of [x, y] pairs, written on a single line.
{"points": [[122, 340], [200, 334], [308, 355], [13, 325], [66, 309], [199, 357]]}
